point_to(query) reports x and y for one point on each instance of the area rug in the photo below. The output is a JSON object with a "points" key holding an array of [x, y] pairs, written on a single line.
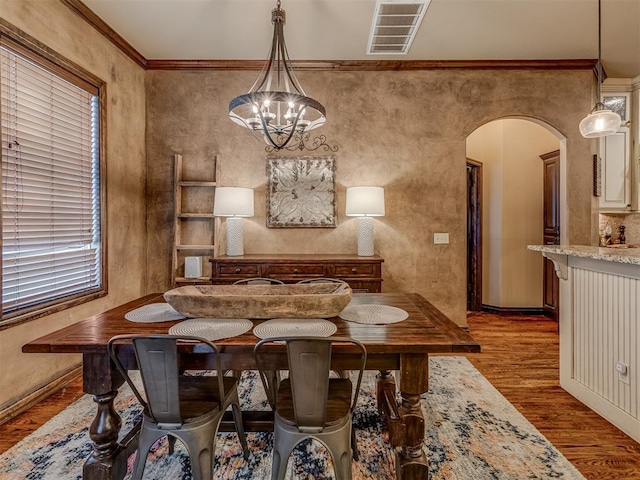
{"points": [[473, 433]]}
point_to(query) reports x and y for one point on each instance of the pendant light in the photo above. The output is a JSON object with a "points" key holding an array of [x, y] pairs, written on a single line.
{"points": [[276, 106], [601, 121]]}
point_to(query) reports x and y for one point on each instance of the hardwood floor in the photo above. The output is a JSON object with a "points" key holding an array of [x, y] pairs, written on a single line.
{"points": [[520, 358]]}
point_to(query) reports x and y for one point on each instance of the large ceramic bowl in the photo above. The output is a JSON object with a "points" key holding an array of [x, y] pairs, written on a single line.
{"points": [[313, 300]]}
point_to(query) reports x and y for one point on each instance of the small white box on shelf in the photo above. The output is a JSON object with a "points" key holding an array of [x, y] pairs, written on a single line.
{"points": [[192, 267]]}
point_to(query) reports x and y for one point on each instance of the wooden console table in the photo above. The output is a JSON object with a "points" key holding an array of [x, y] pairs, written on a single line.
{"points": [[363, 274]]}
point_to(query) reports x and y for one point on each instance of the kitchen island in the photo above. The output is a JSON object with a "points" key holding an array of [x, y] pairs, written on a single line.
{"points": [[599, 326]]}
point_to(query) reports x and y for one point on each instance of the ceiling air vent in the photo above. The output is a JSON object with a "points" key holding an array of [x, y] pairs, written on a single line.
{"points": [[395, 23]]}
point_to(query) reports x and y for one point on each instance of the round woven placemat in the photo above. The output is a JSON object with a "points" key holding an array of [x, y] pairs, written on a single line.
{"points": [[295, 327], [154, 312], [212, 328], [373, 314]]}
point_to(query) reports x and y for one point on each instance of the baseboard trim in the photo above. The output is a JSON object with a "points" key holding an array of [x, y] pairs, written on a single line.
{"points": [[39, 394], [507, 311]]}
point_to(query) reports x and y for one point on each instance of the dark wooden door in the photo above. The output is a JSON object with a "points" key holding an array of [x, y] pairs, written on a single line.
{"points": [[551, 229], [474, 236]]}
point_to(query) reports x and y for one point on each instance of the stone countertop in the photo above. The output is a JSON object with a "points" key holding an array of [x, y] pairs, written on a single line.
{"points": [[621, 255]]}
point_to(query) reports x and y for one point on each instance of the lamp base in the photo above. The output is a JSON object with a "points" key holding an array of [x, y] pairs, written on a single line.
{"points": [[235, 240], [365, 236]]}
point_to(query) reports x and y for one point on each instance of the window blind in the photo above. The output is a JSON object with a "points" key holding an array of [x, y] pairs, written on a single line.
{"points": [[51, 245]]}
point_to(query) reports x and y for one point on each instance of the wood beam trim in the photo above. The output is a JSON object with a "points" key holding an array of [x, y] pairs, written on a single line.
{"points": [[375, 65], [101, 26]]}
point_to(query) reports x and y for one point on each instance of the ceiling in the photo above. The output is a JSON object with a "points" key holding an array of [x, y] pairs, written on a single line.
{"points": [[339, 30]]}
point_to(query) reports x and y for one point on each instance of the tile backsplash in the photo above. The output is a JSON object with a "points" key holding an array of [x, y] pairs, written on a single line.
{"points": [[631, 221]]}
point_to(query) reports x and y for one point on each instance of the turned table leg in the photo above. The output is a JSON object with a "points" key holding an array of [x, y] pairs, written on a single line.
{"points": [[103, 432], [406, 421], [106, 461]]}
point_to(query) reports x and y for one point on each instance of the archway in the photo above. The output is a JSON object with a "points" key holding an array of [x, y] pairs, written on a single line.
{"points": [[509, 151]]}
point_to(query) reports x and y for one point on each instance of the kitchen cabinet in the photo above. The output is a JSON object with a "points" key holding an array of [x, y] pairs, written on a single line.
{"points": [[615, 158], [619, 153], [635, 142]]}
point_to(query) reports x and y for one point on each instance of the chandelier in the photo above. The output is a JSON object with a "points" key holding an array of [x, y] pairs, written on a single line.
{"points": [[276, 106], [601, 121]]}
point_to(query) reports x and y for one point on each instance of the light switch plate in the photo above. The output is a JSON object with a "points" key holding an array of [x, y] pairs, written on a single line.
{"points": [[440, 238]]}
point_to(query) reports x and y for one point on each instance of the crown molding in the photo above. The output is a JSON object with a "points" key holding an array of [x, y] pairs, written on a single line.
{"points": [[617, 85], [375, 65], [78, 7], [84, 12]]}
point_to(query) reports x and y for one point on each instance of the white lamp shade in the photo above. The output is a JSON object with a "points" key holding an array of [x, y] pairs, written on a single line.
{"points": [[233, 202], [365, 201], [600, 123]]}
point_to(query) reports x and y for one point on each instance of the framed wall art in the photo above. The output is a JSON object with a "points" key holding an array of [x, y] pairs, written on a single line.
{"points": [[301, 192]]}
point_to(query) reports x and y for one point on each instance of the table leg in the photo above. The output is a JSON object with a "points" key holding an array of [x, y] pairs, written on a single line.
{"points": [[406, 421], [104, 435], [108, 459]]}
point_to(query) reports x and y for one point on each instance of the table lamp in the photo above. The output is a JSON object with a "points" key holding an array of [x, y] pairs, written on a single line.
{"points": [[365, 203], [234, 203]]}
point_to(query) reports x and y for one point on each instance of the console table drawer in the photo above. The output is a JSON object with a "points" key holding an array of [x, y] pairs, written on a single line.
{"points": [[356, 270], [362, 274], [239, 270], [303, 270]]}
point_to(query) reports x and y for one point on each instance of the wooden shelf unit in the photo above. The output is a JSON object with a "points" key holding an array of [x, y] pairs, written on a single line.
{"points": [[194, 223]]}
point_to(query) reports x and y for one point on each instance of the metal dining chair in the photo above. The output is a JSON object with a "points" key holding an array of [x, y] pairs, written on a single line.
{"points": [[310, 404], [187, 407], [322, 280], [258, 281], [340, 373]]}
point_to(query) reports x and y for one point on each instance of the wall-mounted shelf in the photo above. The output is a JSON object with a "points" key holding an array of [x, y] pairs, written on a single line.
{"points": [[195, 215], [197, 184], [194, 247], [194, 281], [194, 223]]}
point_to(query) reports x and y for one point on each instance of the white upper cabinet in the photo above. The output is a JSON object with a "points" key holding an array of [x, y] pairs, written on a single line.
{"points": [[620, 188], [635, 145], [615, 170]]}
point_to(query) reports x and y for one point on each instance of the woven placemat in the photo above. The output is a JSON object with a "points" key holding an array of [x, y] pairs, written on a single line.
{"points": [[373, 314], [295, 327], [154, 312], [212, 328]]}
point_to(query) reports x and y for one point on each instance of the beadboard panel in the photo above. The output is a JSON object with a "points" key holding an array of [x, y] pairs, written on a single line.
{"points": [[606, 332]]}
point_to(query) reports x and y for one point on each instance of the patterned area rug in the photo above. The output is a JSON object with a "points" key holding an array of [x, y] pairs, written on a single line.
{"points": [[473, 433]]}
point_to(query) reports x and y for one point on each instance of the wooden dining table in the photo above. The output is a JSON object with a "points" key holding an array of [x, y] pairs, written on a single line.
{"points": [[402, 347]]}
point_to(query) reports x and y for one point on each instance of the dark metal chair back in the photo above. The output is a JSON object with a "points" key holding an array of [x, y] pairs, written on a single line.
{"points": [[309, 361], [258, 281], [322, 280], [157, 358]]}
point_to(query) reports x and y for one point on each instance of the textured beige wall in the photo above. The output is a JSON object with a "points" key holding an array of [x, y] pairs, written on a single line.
{"points": [[53, 24], [405, 131], [523, 211]]}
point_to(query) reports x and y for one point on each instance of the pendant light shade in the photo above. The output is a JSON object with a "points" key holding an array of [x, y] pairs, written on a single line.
{"points": [[601, 121], [276, 106]]}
